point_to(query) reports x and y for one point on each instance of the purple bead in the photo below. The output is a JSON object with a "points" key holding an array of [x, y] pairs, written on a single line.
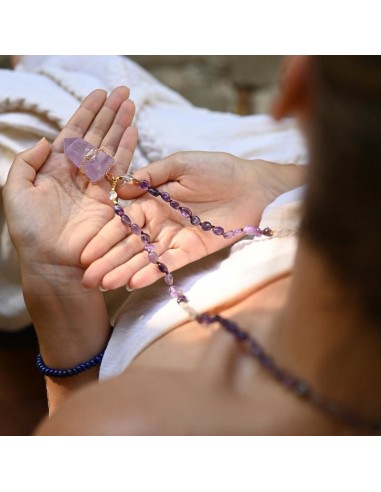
{"points": [[125, 220], [166, 196], [175, 291], [163, 268], [267, 232], [302, 388], [174, 204], [206, 226], [149, 247], [168, 279], [255, 349], [238, 231], [118, 209], [182, 298], [218, 231], [205, 319], [252, 231], [153, 258], [135, 229], [146, 238], [154, 191], [195, 220], [185, 212], [228, 234], [144, 184]]}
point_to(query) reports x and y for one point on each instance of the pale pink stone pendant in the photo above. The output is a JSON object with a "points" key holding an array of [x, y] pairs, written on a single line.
{"points": [[93, 162]]}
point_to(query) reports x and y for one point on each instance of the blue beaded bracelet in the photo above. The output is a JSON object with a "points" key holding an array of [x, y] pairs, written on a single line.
{"points": [[66, 373]]}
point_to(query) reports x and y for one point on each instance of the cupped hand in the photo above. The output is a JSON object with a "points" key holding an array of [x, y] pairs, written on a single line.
{"points": [[217, 187], [52, 210]]}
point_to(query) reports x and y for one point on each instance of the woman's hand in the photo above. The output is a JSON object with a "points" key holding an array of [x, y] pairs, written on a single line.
{"points": [[51, 208], [218, 187]]}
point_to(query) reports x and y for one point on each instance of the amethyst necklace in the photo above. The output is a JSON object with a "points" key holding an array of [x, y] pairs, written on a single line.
{"points": [[95, 164]]}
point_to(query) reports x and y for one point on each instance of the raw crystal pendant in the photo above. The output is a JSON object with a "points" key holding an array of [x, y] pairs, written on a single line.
{"points": [[93, 162]]}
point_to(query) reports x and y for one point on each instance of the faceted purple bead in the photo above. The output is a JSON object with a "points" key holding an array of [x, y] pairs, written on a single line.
{"points": [[125, 220], [135, 229], [166, 196], [252, 231], [238, 231], [163, 268], [175, 291], [195, 220], [228, 234], [218, 231], [146, 238], [153, 258], [174, 204], [144, 184], [168, 279], [154, 191], [185, 212], [149, 247], [206, 226]]}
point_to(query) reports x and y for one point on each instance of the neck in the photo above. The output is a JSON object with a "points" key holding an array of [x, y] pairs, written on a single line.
{"points": [[322, 337]]}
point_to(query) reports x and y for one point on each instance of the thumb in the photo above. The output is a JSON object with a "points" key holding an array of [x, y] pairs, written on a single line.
{"points": [[27, 164], [157, 173]]}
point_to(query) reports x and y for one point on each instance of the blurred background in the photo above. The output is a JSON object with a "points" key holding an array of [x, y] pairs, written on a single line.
{"points": [[239, 84]]}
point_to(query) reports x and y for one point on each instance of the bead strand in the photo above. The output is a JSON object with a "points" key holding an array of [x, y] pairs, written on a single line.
{"points": [[195, 220], [298, 386], [174, 290]]}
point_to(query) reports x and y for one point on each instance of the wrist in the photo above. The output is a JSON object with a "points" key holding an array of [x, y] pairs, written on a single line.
{"points": [[276, 179]]}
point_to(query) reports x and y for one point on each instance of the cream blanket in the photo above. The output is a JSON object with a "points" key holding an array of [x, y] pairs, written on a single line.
{"points": [[39, 96]]}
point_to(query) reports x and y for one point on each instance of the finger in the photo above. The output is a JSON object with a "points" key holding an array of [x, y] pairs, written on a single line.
{"points": [[171, 168], [27, 164], [81, 120], [173, 259], [110, 235], [125, 152], [121, 275], [115, 269], [104, 120], [123, 120]]}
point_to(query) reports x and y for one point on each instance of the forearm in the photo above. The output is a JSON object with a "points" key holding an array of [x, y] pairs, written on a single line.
{"points": [[71, 323]]}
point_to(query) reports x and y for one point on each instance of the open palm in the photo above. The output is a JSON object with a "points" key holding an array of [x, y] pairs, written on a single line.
{"points": [[217, 187], [52, 209]]}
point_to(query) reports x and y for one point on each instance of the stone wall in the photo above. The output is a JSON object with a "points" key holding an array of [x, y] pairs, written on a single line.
{"points": [[240, 84]]}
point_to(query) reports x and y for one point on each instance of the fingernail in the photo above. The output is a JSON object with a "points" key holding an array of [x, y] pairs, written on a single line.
{"points": [[102, 289], [128, 289], [40, 141]]}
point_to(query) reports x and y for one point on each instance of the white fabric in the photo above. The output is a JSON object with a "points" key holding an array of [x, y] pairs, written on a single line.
{"points": [[41, 94]]}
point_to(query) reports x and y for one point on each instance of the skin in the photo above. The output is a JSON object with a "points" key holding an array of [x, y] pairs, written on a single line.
{"points": [[307, 321]]}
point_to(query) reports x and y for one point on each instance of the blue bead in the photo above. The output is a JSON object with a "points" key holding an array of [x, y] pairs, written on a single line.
{"points": [[93, 363], [88, 365]]}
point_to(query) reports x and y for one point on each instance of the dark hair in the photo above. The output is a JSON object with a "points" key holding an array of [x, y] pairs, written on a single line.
{"points": [[343, 203]]}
